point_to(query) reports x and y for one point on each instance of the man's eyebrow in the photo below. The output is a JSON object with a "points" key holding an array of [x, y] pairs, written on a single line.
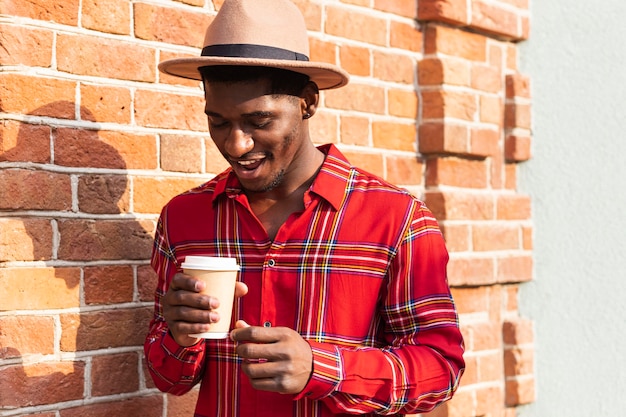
{"points": [[259, 113]]}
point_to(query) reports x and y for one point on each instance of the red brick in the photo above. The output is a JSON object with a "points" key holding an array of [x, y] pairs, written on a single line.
{"points": [[37, 96], [518, 361], [323, 51], [517, 115], [146, 282], [355, 130], [114, 374], [145, 406], [489, 400], [214, 160], [110, 16], [471, 271], [370, 162], [104, 329], [103, 194], [362, 27], [487, 337], [396, 136], [497, 20], [355, 60], [182, 405], [490, 367], [104, 57], [182, 111], [518, 331], [455, 42], [151, 194], [23, 335], [517, 85], [484, 142], [402, 103], [405, 36], [39, 288], [517, 148], [438, 71], [64, 12], [486, 78], [29, 385], [496, 237], [170, 79], [83, 240], [23, 189], [170, 25], [513, 207], [457, 236], [470, 300], [515, 269], [460, 205], [25, 239], [181, 153], [109, 284], [440, 138], [105, 103], [23, 142], [359, 97], [402, 8], [460, 405], [25, 46], [449, 11], [403, 170], [520, 391], [104, 149], [457, 172], [491, 109], [323, 127], [394, 68]]}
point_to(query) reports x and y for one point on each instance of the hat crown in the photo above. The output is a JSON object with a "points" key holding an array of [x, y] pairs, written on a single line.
{"points": [[274, 23]]}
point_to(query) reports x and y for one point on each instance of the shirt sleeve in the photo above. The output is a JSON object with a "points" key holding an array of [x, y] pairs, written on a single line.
{"points": [[174, 368], [421, 364]]}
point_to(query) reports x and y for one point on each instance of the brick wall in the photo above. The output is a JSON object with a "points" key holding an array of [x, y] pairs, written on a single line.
{"points": [[93, 141]]}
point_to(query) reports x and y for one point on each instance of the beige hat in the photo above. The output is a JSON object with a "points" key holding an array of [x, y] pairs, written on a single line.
{"points": [[267, 33]]}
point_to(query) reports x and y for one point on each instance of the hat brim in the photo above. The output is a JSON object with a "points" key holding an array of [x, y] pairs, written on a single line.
{"points": [[326, 76]]}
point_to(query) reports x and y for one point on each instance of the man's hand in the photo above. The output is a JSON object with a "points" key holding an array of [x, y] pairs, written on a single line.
{"points": [[186, 311], [275, 359]]}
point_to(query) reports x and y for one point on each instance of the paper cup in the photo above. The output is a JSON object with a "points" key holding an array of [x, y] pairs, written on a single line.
{"points": [[220, 276]]}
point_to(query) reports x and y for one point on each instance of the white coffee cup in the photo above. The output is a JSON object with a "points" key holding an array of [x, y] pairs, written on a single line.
{"points": [[219, 275]]}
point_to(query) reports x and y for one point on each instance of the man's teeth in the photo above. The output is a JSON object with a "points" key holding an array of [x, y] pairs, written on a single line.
{"points": [[245, 163]]}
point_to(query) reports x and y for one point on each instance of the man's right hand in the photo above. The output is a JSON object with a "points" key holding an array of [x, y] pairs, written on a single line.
{"points": [[187, 311]]}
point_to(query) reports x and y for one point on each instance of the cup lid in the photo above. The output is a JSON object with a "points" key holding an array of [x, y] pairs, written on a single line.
{"points": [[211, 263]]}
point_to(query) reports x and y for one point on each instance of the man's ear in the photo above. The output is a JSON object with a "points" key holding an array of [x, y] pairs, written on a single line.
{"points": [[309, 99]]}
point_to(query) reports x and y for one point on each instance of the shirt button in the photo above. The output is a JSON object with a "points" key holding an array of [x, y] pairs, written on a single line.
{"points": [[267, 324], [271, 262]]}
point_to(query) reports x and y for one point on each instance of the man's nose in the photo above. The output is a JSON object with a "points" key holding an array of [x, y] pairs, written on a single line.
{"points": [[238, 142]]}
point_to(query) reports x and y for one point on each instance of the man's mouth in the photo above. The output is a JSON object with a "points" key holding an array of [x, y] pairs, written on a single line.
{"points": [[249, 164]]}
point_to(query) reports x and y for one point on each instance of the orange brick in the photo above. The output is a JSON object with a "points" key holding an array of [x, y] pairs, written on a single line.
{"points": [[517, 115], [491, 109], [396, 136], [393, 67], [510, 171], [145, 406], [215, 162], [520, 391], [495, 19], [495, 237], [490, 367], [181, 153], [455, 42], [449, 11], [23, 335], [405, 36], [450, 104], [37, 96], [470, 300], [515, 269], [518, 361], [362, 27], [370, 162], [323, 127], [486, 78], [104, 329], [151, 194], [402, 8], [84, 240], [437, 138], [25, 46], [104, 57], [487, 337], [170, 79], [24, 239], [105, 104], [474, 271], [438, 71], [355, 130], [457, 172], [64, 12], [323, 51], [108, 284], [359, 97], [457, 205], [29, 385], [39, 288], [513, 207], [489, 400], [518, 331], [517, 148], [527, 237], [170, 25], [460, 405], [355, 60], [23, 189], [517, 85], [403, 170], [103, 194], [484, 142], [114, 374], [23, 142], [312, 14], [110, 16], [402, 103], [183, 111]]}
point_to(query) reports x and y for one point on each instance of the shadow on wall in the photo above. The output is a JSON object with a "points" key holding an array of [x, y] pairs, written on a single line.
{"points": [[73, 272]]}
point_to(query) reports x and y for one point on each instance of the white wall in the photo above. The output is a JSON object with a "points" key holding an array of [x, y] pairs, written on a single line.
{"points": [[576, 58]]}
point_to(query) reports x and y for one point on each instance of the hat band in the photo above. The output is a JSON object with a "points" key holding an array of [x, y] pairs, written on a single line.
{"points": [[244, 50]]}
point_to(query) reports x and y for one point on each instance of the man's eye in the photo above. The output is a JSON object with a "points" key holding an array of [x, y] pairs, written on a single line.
{"points": [[260, 123], [217, 122]]}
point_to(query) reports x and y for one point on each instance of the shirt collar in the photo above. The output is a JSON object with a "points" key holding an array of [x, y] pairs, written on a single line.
{"points": [[330, 182]]}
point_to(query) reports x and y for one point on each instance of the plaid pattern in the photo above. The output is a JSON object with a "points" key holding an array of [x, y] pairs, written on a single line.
{"points": [[360, 274]]}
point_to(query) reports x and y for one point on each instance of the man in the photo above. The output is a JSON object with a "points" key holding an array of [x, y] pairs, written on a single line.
{"points": [[343, 305]]}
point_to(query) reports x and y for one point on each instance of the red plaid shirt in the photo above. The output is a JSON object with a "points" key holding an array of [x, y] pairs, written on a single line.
{"points": [[360, 274]]}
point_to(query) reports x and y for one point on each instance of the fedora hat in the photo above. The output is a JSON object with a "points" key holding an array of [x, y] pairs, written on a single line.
{"points": [[266, 33]]}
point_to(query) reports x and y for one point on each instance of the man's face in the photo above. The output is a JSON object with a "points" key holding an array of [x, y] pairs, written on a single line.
{"points": [[259, 134]]}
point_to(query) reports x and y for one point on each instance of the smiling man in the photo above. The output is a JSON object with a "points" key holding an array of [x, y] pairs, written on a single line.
{"points": [[343, 303]]}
